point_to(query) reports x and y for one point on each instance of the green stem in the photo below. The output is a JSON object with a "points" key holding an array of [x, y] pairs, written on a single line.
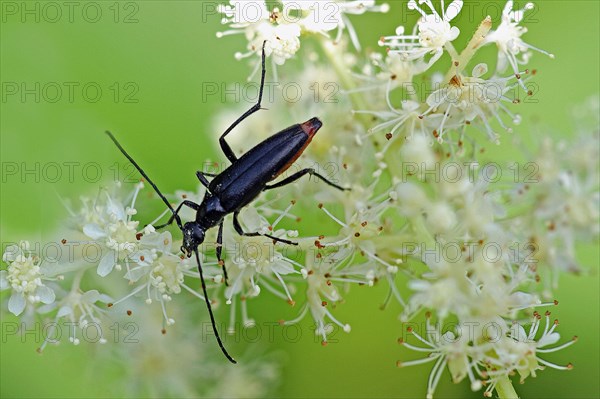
{"points": [[343, 72], [460, 63], [451, 50], [505, 389]]}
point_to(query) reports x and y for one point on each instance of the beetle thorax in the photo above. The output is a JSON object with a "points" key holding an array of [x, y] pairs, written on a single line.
{"points": [[211, 213]]}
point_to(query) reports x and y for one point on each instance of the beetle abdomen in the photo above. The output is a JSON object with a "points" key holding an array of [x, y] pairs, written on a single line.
{"points": [[241, 182]]}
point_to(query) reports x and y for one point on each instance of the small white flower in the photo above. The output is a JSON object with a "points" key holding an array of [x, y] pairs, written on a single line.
{"points": [[564, 186], [508, 38], [361, 230], [323, 16], [470, 99], [25, 277], [456, 350], [253, 19], [109, 223], [520, 351], [441, 218], [434, 32], [321, 294], [282, 28], [412, 199], [406, 120], [282, 41], [111, 226], [418, 153], [257, 260], [484, 351], [161, 274], [166, 276], [80, 309], [331, 264], [392, 72]]}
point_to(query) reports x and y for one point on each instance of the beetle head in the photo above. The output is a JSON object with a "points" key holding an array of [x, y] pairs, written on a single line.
{"points": [[193, 236]]}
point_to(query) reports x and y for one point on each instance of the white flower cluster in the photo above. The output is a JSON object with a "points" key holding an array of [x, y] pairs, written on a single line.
{"points": [[459, 98], [562, 189], [482, 259], [103, 242], [477, 273], [282, 26], [25, 277], [474, 250], [485, 354]]}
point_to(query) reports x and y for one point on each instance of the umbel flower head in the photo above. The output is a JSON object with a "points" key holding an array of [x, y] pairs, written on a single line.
{"points": [[485, 353], [25, 278], [433, 33], [109, 223], [282, 26], [508, 38]]}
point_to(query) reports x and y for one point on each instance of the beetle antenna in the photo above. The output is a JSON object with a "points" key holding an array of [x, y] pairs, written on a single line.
{"points": [[145, 176], [210, 312]]}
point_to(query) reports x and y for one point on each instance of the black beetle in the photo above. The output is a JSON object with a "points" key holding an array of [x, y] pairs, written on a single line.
{"points": [[238, 185]]}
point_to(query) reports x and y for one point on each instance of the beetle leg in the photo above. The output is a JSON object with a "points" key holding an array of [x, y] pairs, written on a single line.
{"points": [[175, 214], [202, 177], [219, 251], [298, 175], [240, 231], [224, 146]]}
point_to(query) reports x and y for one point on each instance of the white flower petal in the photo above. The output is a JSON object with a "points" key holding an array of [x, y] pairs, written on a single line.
{"points": [[144, 257], [105, 298], [93, 231], [252, 219], [518, 332], [115, 208], [159, 241], [548, 339], [46, 294], [90, 296], [10, 253], [16, 304], [282, 267], [454, 32], [520, 299], [63, 311], [453, 10], [107, 264]]}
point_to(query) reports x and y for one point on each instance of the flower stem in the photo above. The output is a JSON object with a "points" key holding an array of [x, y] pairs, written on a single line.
{"points": [[451, 50], [459, 64], [77, 281], [505, 389]]}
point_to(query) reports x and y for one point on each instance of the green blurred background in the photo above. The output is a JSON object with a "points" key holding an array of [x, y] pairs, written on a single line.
{"points": [[150, 59]]}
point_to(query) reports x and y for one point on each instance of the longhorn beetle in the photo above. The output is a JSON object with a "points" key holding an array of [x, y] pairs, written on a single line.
{"points": [[239, 184]]}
